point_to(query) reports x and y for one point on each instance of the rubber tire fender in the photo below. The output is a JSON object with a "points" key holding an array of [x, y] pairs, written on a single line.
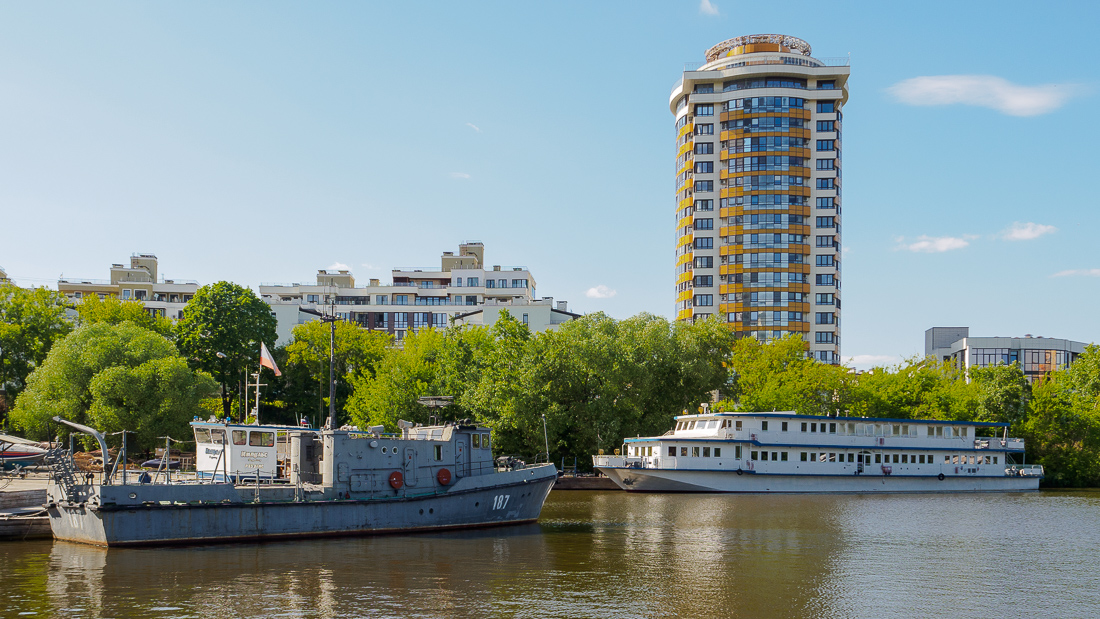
{"points": [[940, 477], [740, 472]]}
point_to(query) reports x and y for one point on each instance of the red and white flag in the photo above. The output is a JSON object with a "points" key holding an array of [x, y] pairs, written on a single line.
{"points": [[267, 360]]}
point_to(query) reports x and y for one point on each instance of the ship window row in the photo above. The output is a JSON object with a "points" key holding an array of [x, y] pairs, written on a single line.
{"points": [[898, 458], [698, 452], [776, 456]]}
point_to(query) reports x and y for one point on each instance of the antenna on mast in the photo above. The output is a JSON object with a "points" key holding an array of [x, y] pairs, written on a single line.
{"points": [[331, 319]]}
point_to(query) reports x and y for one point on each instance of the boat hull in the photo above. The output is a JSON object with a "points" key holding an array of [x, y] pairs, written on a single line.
{"points": [[226, 516], [671, 480]]}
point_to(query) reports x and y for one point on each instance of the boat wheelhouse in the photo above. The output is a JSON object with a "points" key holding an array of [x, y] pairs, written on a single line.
{"points": [[786, 452], [229, 451]]}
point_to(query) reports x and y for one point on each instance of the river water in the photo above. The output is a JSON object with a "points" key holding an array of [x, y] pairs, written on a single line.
{"points": [[613, 554]]}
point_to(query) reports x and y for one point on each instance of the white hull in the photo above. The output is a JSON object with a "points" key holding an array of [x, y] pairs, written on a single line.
{"points": [[671, 480]]}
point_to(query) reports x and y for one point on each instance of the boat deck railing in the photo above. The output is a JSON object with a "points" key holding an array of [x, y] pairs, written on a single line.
{"points": [[1025, 470], [999, 443]]}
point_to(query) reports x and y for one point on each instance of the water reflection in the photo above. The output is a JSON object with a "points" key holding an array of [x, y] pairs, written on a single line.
{"points": [[600, 554]]}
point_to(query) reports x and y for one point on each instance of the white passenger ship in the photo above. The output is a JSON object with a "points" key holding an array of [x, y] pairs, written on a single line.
{"points": [[785, 452]]}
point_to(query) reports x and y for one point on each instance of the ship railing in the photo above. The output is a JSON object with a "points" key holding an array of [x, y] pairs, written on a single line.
{"points": [[1025, 470], [609, 461]]}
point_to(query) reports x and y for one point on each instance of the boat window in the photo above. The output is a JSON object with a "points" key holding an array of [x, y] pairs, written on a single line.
{"points": [[851, 428], [784, 426], [904, 458], [717, 452], [691, 425], [737, 452], [684, 451], [803, 455], [752, 455], [895, 458], [963, 432], [764, 426], [947, 432], [905, 430], [803, 426], [706, 452], [813, 427], [738, 425], [485, 440], [679, 424], [921, 458], [832, 457], [476, 440], [775, 456], [987, 459], [671, 451], [383, 450], [822, 457], [783, 456], [931, 431], [694, 452], [971, 459], [878, 458], [994, 459], [832, 428], [240, 437], [202, 435], [438, 455], [217, 436], [261, 439]]}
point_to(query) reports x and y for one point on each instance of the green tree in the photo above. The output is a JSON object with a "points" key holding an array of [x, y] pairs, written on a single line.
{"points": [[112, 311], [357, 351], [778, 376], [221, 331], [1002, 393], [113, 377], [919, 388], [400, 377], [31, 320]]}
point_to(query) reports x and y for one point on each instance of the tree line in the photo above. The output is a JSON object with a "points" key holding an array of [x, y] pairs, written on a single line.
{"points": [[560, 394]]}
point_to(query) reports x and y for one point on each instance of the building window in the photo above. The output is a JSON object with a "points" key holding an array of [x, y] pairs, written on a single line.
{"points": [[826, 222], [704, 224], [519, 283], [826, 164], [826, 183], [704, 167], [826, 84], [826, 318], [490, 283], [704, 148], [704, 88], [703, 281], [458, 282], [502, 283], [400, 299], [826, 125], [401, 320], [704, 185], [421, 319], [472, 281], [825, 298], [825, 260], [704, 300], [825, 107], [704, 242], [826, 279], [825, 241], [704, 262], [525, 319], [704, 129], [704, 205], [704, 110], [829, 202], [471, 300], [825, 145]]}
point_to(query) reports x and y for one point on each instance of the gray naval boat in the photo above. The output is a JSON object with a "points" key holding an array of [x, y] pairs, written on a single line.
{"points": [[258, 482]]}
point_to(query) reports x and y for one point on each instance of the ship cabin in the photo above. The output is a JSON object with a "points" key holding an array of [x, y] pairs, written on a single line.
{"points": [[789, 444], [228, 451]]}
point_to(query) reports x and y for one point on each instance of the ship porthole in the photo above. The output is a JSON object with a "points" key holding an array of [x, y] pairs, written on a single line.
{"points": [[133, 495], [421, 512], [477, 503], [431, 510]]}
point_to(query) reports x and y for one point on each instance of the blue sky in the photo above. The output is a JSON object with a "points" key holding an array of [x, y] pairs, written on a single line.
{"points": [[262, 141]]}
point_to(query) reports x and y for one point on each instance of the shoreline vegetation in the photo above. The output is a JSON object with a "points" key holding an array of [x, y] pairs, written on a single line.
{"points": [[593, 381]]}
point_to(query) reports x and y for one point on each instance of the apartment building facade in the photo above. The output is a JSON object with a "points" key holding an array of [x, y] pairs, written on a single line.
{"points": [[758, 190], [417, 297], [1036, 356], [138, 282]]}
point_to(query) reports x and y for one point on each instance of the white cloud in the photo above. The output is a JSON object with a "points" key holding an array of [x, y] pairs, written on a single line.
{"points": [[459, 175], [600, 292], [1025, 232], [474, 127], [935, 244], [983, 91], [1072, 272], [706, 7], [866, 362], [338, 266]]}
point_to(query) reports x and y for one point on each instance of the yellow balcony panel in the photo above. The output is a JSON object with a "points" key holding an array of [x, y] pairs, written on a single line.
{"points": [[684, 314], [685, 240], [683, 259], [685, 222], [684, 277], [684, 296]]}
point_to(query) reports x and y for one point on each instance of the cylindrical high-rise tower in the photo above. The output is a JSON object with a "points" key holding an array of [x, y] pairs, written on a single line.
{"points": [[758, 190]]}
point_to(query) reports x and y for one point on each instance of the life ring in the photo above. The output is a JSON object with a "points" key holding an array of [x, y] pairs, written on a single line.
{"points": [[397, 480], [940, 477], [443, 477], [740, 472]]}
